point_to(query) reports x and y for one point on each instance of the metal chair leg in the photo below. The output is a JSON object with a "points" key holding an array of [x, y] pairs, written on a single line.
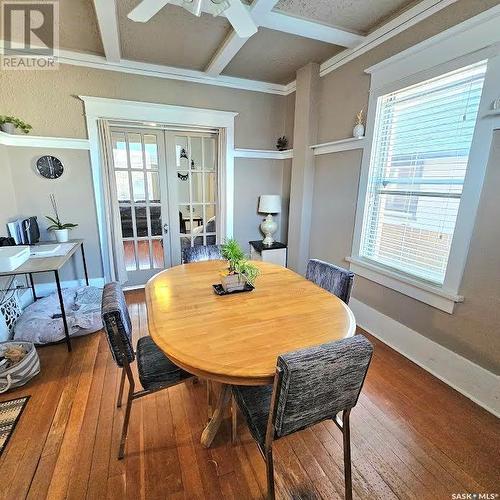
{"points": [[270, 474], [120, 391], [346, 432], [234, 420], [126, 419]]}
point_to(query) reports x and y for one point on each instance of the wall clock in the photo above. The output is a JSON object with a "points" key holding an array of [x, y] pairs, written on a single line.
{"points": [[49, 167]]}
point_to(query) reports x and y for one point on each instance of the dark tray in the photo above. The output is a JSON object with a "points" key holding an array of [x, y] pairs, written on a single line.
{"points": [[220, 291]]}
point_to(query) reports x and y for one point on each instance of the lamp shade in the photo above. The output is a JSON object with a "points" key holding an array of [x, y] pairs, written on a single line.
{"points": [[270, 204]]}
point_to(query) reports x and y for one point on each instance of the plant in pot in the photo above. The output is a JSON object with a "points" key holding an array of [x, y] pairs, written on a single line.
{"points": [[60, 230], [240, 271], [9, 124]]}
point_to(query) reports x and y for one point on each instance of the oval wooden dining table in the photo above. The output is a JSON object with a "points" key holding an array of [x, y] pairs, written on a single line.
{"points": [[235, 339]]}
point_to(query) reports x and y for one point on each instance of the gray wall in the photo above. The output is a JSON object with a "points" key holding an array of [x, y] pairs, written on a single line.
{"points": [[472, 330], [253, 178], [8, 204]]}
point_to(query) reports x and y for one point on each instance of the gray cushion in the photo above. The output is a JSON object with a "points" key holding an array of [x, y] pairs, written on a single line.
{"points": [[254, 403], [114, 311], [201, 253], [155, 369], [336, 280]]}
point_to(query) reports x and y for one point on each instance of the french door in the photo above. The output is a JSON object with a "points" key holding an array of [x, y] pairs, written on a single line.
{"points": [[164, 185]]}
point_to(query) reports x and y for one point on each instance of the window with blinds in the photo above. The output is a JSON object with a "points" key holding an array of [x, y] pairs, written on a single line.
{"points": [[419, 158]]}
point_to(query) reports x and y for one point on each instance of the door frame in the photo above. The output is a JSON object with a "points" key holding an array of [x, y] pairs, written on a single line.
{"points": [[162, 115]]}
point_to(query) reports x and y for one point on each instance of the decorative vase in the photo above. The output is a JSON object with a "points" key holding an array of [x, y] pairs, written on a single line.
{"points": [[358, 131], [8, 128], [233, 282], [62, 235]]}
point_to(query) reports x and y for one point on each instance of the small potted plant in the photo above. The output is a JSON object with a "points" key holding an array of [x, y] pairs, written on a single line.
{"points": [[60, 230], [10, 124], [359, 129], [240, 271], [282, 143]]}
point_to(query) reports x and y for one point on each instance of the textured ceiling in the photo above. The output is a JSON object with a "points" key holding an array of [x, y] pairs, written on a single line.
{"points": [[173, 37], [78, 28], [272, 56], [356, 15]]}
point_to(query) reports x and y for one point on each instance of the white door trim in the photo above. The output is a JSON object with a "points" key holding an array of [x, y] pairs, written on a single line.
{"points": [[151, 114]]}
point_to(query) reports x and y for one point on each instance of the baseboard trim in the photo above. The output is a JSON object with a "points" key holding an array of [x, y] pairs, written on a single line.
{"points": [[471, 380]]}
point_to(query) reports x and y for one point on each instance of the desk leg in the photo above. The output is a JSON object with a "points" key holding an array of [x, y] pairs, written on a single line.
{"points": [[85, 267], [212, 427], [32, 283], [63, 310]]}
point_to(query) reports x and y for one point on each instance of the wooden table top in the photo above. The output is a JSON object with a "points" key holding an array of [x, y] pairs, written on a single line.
{"points": [[45, 264], [237, 338]]}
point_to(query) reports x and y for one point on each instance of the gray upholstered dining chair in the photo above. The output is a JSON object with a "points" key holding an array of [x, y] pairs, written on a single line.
{"points": [[334, 279], [310, 385], [155, 370], [200, 253]]}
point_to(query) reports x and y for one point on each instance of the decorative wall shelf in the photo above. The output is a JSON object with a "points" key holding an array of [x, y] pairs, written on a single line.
{"points": [[340, 145], [33, 141], [263, 154]]}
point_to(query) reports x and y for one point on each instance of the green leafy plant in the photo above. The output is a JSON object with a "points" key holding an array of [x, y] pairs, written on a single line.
{"points": [[56, 221], [238, 264], [17, 122], [282, 143]]}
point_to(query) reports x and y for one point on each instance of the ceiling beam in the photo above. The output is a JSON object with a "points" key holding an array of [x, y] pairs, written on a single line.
{"points": [[309, 29], [108, 26], [233, 43]]}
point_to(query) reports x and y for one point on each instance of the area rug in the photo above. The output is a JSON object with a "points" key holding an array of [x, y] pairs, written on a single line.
{"points": [[10, 413]]}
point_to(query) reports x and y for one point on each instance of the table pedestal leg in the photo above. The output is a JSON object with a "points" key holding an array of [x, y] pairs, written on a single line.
{"points": [[218, 415]]}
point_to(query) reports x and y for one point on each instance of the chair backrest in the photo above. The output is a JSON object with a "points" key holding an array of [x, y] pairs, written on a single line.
{"points": [[200, 253], [319, 382], [117, 324], [336, 280]]}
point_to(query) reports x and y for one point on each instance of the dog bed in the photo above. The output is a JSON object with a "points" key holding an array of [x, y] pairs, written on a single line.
{"points": [[41, 322]]}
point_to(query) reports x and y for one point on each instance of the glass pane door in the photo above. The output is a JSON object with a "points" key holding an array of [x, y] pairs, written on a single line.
{"points": [[192, 165], [140, 180]]}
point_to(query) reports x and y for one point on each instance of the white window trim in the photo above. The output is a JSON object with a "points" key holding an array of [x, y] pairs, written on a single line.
{"points": [[472, 41], [117, 109]]}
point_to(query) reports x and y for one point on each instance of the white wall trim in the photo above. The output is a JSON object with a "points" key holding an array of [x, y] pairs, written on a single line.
{"points": [[420, 64], [339, 145], [33, 141], [116, 109], [471, 380], [427, 293], [263, 154]]}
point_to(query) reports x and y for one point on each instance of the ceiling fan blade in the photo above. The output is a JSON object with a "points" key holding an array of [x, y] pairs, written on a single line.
{"points": [[239, 16], [144, 11]]}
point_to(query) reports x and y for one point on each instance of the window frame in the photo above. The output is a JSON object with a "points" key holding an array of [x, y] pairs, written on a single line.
{"points": [[414, 68]]}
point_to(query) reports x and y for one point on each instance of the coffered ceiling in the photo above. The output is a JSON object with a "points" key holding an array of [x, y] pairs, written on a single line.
{"points": [[291, 33]]}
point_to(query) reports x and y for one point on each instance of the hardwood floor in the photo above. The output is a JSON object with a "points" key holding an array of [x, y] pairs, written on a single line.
{"points": [[412, 437]]}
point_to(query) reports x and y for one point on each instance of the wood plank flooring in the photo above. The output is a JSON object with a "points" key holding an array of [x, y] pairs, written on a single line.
{"points": [[412, 437]]}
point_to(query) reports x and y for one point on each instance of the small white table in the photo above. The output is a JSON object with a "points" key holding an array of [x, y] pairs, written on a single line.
{"points": [[275, 254]]}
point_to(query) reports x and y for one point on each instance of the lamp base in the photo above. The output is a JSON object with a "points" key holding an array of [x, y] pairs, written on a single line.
{"points": [[268, 227]]}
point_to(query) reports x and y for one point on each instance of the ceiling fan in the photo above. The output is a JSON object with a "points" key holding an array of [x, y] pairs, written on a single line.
{"points": [[236, 12]]}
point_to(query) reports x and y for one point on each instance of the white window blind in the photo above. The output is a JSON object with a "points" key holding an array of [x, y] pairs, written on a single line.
{"points": [[420, 152]]}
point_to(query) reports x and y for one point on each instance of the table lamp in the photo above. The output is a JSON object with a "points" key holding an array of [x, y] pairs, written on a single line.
{"points": [[269, 204]]}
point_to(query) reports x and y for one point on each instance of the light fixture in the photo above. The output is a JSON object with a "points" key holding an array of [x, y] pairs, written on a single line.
{"points": [[269, 204], [220, 7]]}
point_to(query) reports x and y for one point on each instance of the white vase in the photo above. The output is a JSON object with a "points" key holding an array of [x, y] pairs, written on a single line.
{"points": [[358, 131], [8, 128], [62, 235], [268, 226]]}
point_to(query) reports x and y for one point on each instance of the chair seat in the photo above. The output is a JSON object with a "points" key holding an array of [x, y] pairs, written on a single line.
{"points": [[155, 369], [255, 404]]}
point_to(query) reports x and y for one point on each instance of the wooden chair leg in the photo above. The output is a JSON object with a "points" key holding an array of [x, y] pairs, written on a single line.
{"points": [[210, 409], [120, 392], [270, 474], [346, 432], [234, 420], [126, 419]]}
